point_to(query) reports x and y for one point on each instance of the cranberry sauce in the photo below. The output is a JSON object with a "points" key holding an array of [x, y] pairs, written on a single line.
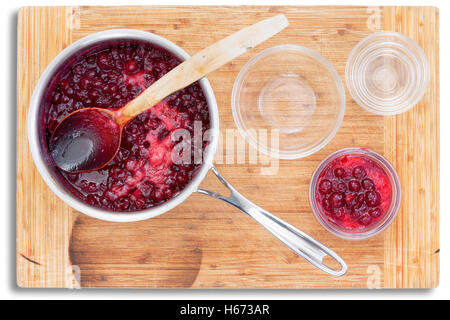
{"points": [[143, 173], [353, 191]]}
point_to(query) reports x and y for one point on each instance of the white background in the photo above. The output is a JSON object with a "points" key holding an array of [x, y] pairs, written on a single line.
{"points": [[8, 290]]}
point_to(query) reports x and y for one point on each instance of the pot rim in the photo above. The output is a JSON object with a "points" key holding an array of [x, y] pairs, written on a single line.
{"points": [[33, 130]]}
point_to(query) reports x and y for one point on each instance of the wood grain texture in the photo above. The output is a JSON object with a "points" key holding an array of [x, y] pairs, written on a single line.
{"points": [[44, 222], [412, 144], [204, 243]]}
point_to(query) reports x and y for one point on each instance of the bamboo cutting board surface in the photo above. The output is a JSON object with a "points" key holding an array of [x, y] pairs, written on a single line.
{"points": [[204, 243]]}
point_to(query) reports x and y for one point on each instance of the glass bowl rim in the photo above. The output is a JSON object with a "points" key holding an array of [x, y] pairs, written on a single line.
{"points": [[235, 105]]}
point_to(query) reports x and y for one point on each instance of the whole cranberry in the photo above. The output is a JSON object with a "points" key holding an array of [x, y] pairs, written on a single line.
{"points": [[85, 82], [113, 88], [359, 172], [131, 67], [92, 199], [56, 97], [367, 184], [94, 94], [92, 187], [326, 203], [339, 172], [69, 91], [360, 199], [325, 186], [104, 62], [365, 219], [375, 212], [341, 187], [339, 213], [139, 203], [73, 177], [337, 199], [354, 185], [358, 210], [123, 203], [372, 198]]}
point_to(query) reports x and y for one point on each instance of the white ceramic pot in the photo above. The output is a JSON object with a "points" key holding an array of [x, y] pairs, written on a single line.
{"points": [[36, 144]]}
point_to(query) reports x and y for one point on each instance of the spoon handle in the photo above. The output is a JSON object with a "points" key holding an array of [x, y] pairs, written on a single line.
{"points": [[204, 62], [295, 239]]}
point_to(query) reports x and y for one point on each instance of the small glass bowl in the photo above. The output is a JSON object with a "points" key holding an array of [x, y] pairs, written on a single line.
{"points": [[292, 92], [387, 73], [383, 222]]}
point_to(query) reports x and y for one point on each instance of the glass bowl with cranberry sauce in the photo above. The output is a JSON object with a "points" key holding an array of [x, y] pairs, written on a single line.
{"points": [[355, 193]]}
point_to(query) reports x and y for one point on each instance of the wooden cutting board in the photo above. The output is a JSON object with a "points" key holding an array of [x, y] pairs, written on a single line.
{"points": [[204, 243]]}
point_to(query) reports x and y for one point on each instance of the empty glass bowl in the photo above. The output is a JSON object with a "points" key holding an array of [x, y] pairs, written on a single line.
{"points": [[387, 73], [292, 94]]}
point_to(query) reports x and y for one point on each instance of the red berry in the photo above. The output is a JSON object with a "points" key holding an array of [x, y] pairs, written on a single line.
{"points": [[123, 203], [365, 219], [358, 210], [339, 213], [139, 203], [337, 199], [375, 212], [92, 200], [326, 204], [341, 187], [64, 83], [131, 67], [92, 187], [367, 184], [73, 177], [359, 172], [325, 186], [360, 199], [69, 91], [354, 186], [113, 88], [104, 61], [85, 82], [84, 184], [94, 94], [339, 172], [372, 198]]}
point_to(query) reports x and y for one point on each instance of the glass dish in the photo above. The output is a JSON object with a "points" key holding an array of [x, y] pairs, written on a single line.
{"points": [[291, 94], [387, 73]]}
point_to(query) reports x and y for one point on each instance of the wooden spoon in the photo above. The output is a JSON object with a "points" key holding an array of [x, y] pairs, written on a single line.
{"points": [[89, 138]]}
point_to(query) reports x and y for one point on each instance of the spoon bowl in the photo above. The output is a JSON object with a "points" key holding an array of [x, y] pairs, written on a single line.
{"points": [[87, 139]]}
